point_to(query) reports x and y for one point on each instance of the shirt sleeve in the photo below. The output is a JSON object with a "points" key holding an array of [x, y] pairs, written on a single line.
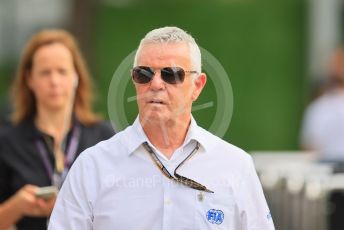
{"points": [[73, 207], [254, 211]]}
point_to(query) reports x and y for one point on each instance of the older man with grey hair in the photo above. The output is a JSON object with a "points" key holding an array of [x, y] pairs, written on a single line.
{"points": [[164, 171]]}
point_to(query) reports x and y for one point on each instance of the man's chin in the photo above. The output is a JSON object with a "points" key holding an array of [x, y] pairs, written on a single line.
{"points": [[153, 117]]}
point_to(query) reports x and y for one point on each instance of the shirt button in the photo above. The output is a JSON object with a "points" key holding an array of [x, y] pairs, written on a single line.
{"points": [[168, 201]]}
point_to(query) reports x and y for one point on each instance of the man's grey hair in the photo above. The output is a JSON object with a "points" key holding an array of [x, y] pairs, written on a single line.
{"points": [[173, 35]]}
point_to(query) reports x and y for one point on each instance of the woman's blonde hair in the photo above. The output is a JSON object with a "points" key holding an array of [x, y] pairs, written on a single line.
{"points": [[24, 100]]}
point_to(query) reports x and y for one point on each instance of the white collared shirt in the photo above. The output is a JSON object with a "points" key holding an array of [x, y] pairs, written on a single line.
{"points": [[323, 125], [116, 185]]}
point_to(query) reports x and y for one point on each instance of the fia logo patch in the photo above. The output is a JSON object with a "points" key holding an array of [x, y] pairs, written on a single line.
{"points": [[215, 216]]}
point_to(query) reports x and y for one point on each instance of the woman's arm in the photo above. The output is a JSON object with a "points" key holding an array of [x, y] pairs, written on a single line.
{"points": [[24, 203]]}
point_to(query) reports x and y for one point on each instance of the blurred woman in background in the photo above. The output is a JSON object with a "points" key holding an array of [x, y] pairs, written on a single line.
{"points": [[52, 123]]}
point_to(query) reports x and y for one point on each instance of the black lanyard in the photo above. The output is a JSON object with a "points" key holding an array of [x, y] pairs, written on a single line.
{"points": [[178, 178], [70, 153]]}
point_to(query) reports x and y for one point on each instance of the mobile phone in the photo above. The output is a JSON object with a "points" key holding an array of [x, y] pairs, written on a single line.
{"points": [[46, 192]]}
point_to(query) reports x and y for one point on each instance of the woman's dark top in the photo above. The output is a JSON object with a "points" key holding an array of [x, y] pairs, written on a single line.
{"points": [[21, 163]]}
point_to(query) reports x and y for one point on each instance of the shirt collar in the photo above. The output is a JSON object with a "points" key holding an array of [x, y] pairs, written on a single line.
{"points": [[137, 136], [196, 133], [29, 129]]}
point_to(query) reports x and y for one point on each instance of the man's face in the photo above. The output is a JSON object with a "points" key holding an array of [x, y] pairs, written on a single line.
{"points": [[162, 102]]}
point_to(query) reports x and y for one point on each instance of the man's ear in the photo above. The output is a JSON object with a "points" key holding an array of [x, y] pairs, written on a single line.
{"points": [[199, 85]]}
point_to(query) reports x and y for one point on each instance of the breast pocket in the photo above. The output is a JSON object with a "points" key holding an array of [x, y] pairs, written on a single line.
{"points": [[216, 210]]}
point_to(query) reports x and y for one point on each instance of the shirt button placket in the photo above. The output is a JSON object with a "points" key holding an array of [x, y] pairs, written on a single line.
{"points": [[168, 212]]}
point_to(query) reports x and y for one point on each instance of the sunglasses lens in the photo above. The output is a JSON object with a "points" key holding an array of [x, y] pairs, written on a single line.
{"points": [[142, 74], [173, 75]]}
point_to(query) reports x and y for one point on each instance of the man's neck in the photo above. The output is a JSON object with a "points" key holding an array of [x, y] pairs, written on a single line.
{"points": [[166, 136], [54, 122]]}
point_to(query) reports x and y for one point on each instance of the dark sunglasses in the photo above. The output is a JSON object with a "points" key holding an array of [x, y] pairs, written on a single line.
{"points": [[178, 178], [170, 75]]}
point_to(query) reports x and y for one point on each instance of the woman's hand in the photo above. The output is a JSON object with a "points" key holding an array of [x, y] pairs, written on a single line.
{"points": [[24, 203], [30, 205]]}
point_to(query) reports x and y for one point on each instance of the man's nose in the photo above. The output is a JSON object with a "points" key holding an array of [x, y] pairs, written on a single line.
{"points": [[157, 83]]}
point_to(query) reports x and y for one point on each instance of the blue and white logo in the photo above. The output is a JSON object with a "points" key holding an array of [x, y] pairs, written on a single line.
{"points": [[215, 216]]}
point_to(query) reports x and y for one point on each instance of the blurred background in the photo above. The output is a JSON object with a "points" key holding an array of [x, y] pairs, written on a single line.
{"points": [[273, 51], [276, 55]]}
